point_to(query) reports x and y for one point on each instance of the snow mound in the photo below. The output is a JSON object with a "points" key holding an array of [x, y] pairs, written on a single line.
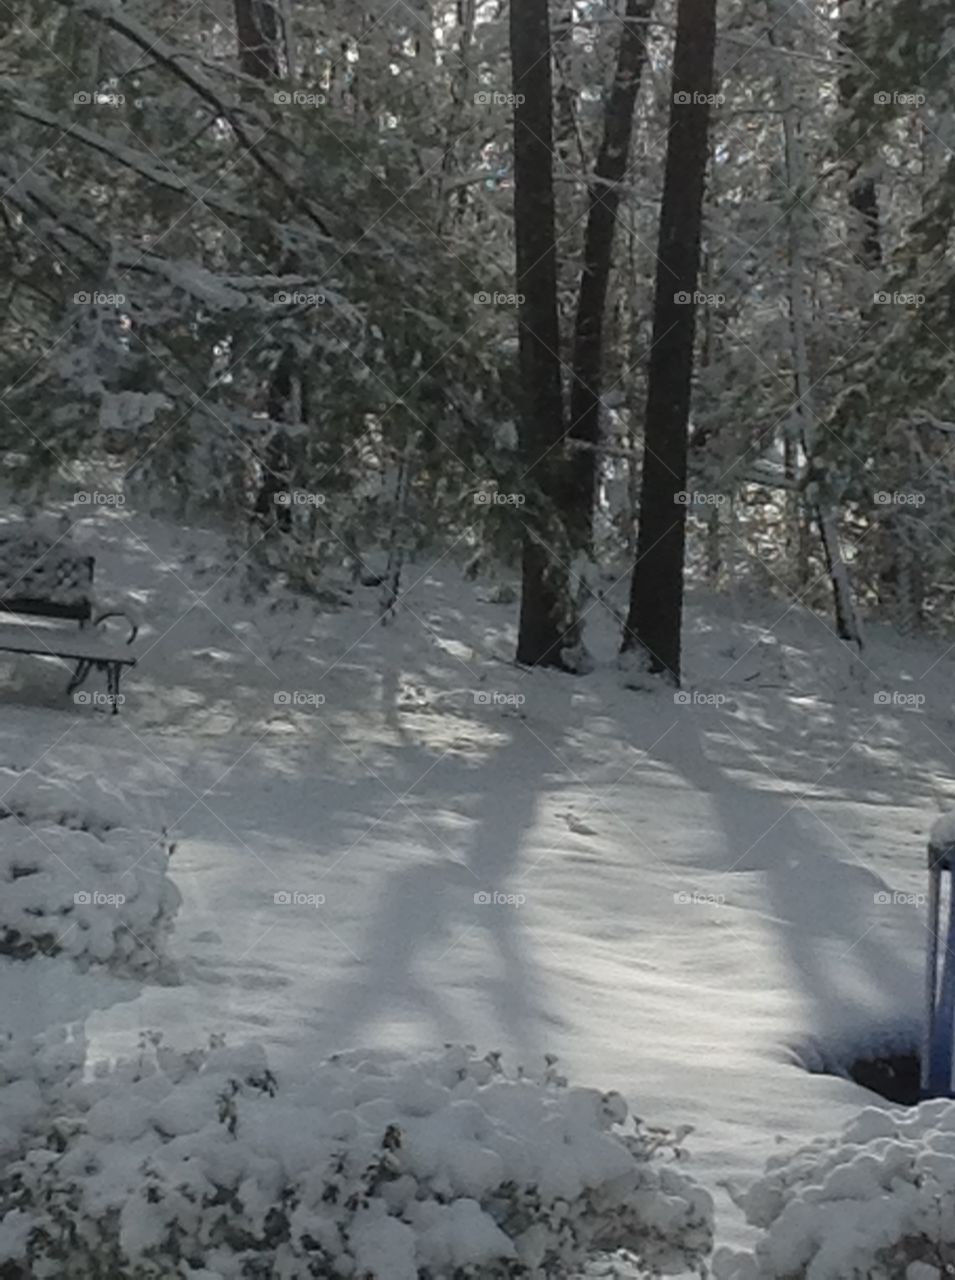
{"points": [[876, 1202], [86, 803], [77, 880], [371, 1165], [35, 1073]]}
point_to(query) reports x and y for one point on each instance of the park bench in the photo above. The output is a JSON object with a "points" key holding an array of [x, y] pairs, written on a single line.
{"points": [[47, 580]]}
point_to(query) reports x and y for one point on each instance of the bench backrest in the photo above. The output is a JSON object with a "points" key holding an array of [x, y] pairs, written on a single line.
{"points": [[44, 577]]}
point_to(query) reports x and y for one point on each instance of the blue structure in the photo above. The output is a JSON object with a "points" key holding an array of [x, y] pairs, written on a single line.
{"points": [[939, 1031]]}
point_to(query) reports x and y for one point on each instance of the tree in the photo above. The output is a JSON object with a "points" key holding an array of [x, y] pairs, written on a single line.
{"points": [[654, 620], [257, 33], [861, 189], [603, 203], [543, 630], [301, 222], [257, 36], [804, 411]]}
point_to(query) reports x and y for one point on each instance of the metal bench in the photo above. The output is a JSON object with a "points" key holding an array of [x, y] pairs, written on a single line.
{"points": [[45, 577]]}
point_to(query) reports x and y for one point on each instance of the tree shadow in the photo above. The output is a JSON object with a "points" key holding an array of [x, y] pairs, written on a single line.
{"points": [[856, 960], [460, 901]]}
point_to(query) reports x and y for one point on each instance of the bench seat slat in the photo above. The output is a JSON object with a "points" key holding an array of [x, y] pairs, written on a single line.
{"points": [[79, 611], [56, 643]]}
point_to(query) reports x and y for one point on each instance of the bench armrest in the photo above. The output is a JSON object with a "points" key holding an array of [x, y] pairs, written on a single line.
{"points": [[119, 613]]}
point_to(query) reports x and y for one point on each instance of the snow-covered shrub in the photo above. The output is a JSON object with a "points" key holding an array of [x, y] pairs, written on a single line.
{"points": [[37, 1075], [876, 1203], [76, 880], [370, 1167], [85, 804]]}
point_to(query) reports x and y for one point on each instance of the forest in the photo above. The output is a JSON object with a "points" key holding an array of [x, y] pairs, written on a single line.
{"points": [[603, 293], [486, 470]]}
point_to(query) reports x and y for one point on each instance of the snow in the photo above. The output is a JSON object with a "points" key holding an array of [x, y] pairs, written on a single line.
{"points": [[864, 1203], [206, 1154], [75, 882], [130, 410], [719, 898]]}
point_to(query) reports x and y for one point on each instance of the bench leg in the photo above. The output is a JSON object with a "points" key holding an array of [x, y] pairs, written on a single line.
{"points": [[79, 675], [113, 672]]}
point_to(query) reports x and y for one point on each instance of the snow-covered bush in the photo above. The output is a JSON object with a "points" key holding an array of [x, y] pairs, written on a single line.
{"points": [[372, 1167], [37, 1075], [85, 804], [77, 879], [876, 1203]]}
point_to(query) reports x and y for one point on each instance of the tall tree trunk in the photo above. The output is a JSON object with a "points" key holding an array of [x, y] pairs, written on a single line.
{"points": [[398, 535], [256, 25], [276, 478], [604, 201], [862, 193], [542, 633], [655, 619], [256, 28], [864, 229], [824, 511], [461, 84]]}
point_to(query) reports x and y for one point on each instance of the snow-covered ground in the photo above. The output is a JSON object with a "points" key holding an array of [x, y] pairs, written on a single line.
{"points": [[696, 901]]}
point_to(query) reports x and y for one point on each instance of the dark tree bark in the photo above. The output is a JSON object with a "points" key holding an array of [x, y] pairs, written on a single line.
{"points": [[862, 192], [864, 199], [257, 33], [541, 634], [604, 201], [276, 464], [654, 621]]}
